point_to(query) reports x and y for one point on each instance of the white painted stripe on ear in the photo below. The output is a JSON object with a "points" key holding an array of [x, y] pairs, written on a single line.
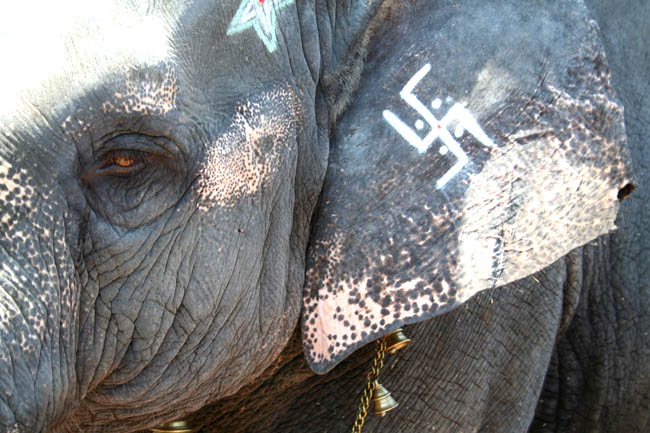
{"points": [[405, 131], [466, 120]]}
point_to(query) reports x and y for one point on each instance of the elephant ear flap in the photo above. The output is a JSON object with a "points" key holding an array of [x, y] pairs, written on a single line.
{"points": [[479, 148]]}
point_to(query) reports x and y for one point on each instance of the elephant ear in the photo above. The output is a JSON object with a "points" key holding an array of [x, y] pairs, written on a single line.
{"points": [[483, 143]]}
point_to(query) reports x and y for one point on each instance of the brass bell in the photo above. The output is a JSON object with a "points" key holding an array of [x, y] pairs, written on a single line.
{"points": [[396, 340], [174, 427], [381, 400]]}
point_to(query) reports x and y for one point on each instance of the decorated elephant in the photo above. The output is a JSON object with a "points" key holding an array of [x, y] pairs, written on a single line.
{"points": [[208, 210]]}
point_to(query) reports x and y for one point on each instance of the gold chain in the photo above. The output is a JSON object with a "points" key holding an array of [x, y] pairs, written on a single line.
{"points": [[373, 375]]}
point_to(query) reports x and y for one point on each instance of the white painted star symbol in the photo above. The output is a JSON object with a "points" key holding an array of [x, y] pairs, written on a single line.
{"points": [[261, 15]]}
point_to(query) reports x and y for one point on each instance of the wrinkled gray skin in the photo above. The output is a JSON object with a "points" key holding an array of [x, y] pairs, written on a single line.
{"points": [[485, 366], [137, 295]]}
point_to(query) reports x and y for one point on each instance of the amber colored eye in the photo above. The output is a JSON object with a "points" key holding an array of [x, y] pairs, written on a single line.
{"points": [[122, 161]]}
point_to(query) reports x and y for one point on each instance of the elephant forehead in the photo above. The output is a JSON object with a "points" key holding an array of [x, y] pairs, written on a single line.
{"points": [[68, 48]]}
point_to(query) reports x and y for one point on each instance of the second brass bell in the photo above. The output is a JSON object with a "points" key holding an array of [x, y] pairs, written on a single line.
{"points": [[396, 340], [381, 400]]}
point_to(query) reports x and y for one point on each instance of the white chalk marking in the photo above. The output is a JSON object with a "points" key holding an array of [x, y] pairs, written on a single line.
{"points": [[262, 16], [438, 129]]}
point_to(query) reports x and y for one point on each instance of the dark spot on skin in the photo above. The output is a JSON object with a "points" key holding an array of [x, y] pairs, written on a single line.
{"points": [[353, 328], [354, 300], [366, 323], [353, 336], [384, 312], [346, 323], [625, 191]]}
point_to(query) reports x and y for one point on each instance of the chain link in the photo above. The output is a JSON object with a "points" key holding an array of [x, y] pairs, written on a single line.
{"points": [[373, 375]]}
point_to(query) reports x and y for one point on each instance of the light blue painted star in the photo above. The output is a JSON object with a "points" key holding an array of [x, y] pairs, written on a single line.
{"points": [[261, 15]]}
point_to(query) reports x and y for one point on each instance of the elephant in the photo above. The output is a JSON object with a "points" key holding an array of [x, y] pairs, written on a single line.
{"points": [[209, 209]]}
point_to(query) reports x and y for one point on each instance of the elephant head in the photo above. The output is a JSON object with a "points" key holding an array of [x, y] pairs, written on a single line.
{"points": [[160, 167]]}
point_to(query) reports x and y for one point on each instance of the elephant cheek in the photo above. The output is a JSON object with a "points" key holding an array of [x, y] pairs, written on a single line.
{"points": [[38, 304]]}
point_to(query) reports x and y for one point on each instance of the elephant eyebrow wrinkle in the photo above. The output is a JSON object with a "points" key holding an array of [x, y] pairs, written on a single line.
{"points": [[146, 96]]}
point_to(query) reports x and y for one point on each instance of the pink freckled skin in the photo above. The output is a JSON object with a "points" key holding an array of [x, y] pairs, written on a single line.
{"points": [[235, 165]]}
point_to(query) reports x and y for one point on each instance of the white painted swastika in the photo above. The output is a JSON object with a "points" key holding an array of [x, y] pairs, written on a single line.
{"points": [[457, 114]]}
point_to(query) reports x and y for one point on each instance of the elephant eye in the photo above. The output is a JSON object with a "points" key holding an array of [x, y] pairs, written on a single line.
{"points": [[130, 178], [123, 161], [120, 163], [129, 155]]}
